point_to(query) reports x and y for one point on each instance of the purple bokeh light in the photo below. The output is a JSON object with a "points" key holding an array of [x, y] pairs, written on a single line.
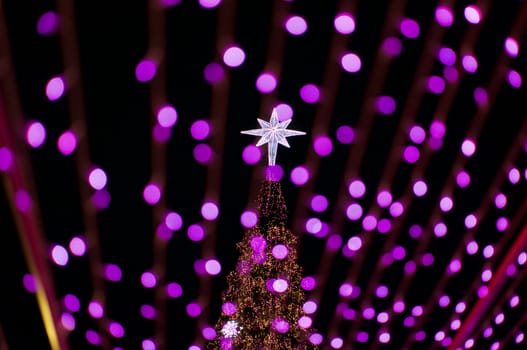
{"points": [[344, 23], [392, 47], [152, 193], [251, 154], [385, 105], [174, 290], [351, 62], [384, 198], [67, 142], [95, 309], [213, 73], [59, 255], [444, 16], [436, 84], [357, 189], [470, 63], [36, 134], [266, 83], [233, 56], [248, 219], [411, 154], [447, 56], [514, 78], [77, 246], [209, 211], [300, 175], [310, 93], [97, 179], [202, 153], [511, 47], [472, 14], [354, 211], [323, 145], [296, 25], [146, 70], [209, 4], [113, 272], [345, 134], [409, 28], [148, 279]]}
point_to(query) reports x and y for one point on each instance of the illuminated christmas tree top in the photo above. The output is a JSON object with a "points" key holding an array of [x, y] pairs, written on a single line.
{"points": [[273, 132]]}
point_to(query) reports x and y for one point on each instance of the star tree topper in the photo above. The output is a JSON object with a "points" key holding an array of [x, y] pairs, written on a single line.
{"points": [[273, 132]]}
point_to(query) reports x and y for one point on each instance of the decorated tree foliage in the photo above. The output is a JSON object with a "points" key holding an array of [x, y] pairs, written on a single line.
{"points": [[263, 304]]}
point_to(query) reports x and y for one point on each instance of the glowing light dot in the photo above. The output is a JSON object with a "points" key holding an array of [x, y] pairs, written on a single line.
{"points": [[384, 199], [248, 219], [266, 83], [310, 307], [344, 23], [514, 78], [59, 254], [296, 25], [145, 70], [148, 312], [319, 203], [470, 64], [48, 23], [193, 309], [354, 243], [409, 28], [213, 73], [195, 232], [473, 14], [444, 16], [336, 343], [463, 179], [97, 179], [173, 221], [113, 272], [213, 267], [68, 321], [308, 283], [351, 62], [417, 134], [420, 188], [323, 146], [152, 193], [284, 111], [385, 105], [436, 85], [167, 116], [209, 4], [345, 134], [398, 307], [519, 337], [55, 88], [522, 258], [446, 204], [502, 224], [384, 337], [6, 159], [148, 280], [149, 344], [116, 329], [251, 154], [511, 47], [174, 290], [77, 246], [514, 176], [310, 93], [454, 266], [500, 201], [396, 209], [369, 223], [95, 309], [313, 225], [488, 251], [67, 143], [209, 211], [470, 221], [447, 56], [392, 47], [280, 285], [382, 292], [357, 188], [486, 275], [472, 248], [468, 147], [411, 154], [280, 251], [23, 201], [299, 175], [305, 322], [72, 303], [233, 56], [362, 337], [36, 134]]}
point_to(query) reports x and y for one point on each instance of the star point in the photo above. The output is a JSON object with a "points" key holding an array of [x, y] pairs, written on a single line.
{"points": [[273, 132]]}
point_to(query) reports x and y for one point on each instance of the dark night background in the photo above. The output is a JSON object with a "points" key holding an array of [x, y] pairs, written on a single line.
{"points": [[114, 37]]}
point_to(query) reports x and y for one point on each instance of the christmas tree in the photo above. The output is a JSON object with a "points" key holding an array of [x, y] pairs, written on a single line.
{"points": [[263, 304]]}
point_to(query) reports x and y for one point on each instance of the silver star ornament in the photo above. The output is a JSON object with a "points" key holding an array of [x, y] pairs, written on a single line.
{"points": [[273, 132]]}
